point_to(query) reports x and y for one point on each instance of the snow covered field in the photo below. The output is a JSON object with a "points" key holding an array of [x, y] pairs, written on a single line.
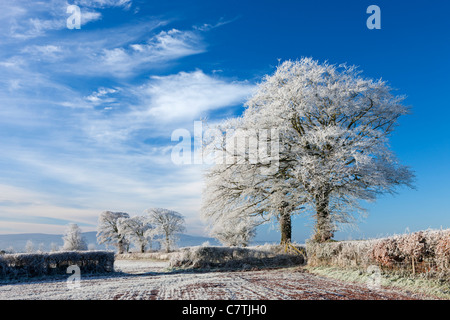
{"points": [[141, 279]]}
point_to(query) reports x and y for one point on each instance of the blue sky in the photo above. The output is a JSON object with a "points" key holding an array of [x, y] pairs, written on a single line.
{"points": [[86, 115]]}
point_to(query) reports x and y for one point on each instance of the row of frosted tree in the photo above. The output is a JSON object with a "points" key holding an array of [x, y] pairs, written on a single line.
{"points": [[73, 240], [120, 230]]}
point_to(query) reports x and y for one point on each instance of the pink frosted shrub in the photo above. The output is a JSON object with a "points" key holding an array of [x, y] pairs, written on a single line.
{"points": [[386, 252], [419, 252], [443, 252], [413, 246]]}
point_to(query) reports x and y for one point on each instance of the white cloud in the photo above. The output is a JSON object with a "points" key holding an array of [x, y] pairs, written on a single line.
{"points": [[12, 227], [46, 52], [161, 105], [126, 4], [28, 87], [164, 47], [112, 174], [22, 204], [26, 19], [208, 26], [17, 195], [92, 180], [89, 16], [101, 96], [125, 55], [188, 95], [175, 43], [110, 149]]}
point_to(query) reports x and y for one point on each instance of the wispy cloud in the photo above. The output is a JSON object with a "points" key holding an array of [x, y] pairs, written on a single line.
{"points": [[94, 54], [162, 104], [126, 4], [86, 117], [189, 95], [158, 50], [43, 52], [209, 26], [27, 19], [38, 209], [85, 183], [118, 158]]}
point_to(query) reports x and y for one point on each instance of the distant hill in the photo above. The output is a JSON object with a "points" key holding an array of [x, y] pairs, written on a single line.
{"points": [[18, 241], [44, 241]]}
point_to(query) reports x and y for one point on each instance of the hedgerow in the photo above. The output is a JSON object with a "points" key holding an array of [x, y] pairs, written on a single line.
{"points": [[423, 252], [157, 255], [53, 263], [203, 257]]}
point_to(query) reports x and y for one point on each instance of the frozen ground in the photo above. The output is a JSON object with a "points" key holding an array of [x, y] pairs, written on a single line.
{"points": [[140, 279]]}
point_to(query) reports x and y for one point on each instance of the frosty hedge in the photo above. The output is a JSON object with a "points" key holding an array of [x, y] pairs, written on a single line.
{"points": [[234, 257], [423, 252], [39, 264]]}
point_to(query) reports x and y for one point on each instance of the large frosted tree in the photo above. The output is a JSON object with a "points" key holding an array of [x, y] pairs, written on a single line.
{"points": [[138, 230], [333, 127], [236, 186], [234, 232], [166, 223], [108, 229]]}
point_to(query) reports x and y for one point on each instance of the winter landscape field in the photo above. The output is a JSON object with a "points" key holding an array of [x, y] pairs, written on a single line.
{"points": [[151, 280], [224, 150], [227, 273]]}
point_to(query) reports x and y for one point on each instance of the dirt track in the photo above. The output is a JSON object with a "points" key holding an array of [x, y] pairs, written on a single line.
{"points": [[146, 280], [260, 285]]}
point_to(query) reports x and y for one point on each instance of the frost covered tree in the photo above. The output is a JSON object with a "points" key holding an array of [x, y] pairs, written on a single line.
{"points": [[264, 189], [41, 247], [333, 129], [167, 223], [108, 230], [29, 247], [138, 230], [73, 239], [236, 232], [54, 247]]}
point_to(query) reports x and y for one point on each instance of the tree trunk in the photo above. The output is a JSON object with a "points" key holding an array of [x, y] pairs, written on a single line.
{"points": [[324, 230], [167, 243], [285, 224], [121, 246]]}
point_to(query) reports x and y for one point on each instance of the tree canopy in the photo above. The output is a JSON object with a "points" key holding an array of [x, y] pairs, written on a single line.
{"points": [[332, 130]]}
